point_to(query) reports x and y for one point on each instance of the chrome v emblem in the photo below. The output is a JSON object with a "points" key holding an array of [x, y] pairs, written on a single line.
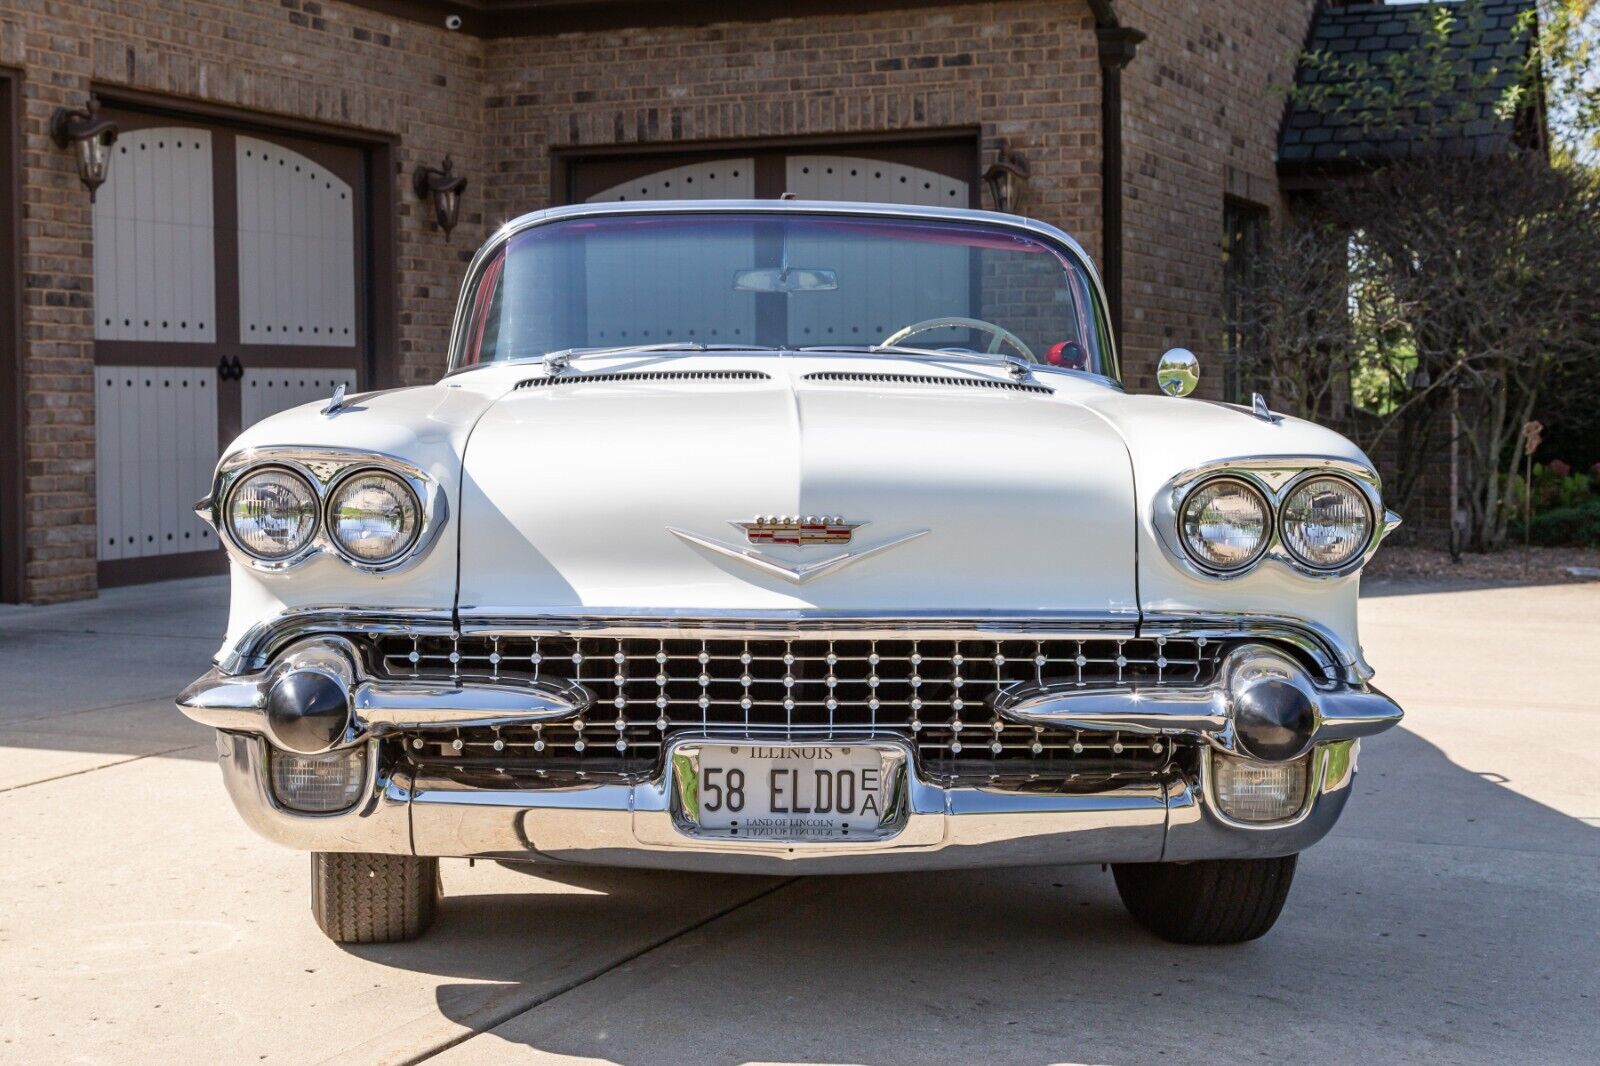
{"points": [[798, 573]]}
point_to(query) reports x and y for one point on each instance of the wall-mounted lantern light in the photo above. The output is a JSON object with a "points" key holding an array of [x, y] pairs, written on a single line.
{"points": [[90, 136], [1007, 179], [443, 188]]}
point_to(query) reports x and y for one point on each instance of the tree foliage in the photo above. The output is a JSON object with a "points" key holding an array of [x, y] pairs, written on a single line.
{"points": [[1443, 279]]}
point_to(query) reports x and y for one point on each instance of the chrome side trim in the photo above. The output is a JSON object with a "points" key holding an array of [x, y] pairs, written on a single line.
{"points": [[255, 647], [1318, 643], [607, 623]]}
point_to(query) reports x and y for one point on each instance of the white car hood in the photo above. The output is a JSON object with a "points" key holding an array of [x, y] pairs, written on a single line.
{"points": [[621, 496]]}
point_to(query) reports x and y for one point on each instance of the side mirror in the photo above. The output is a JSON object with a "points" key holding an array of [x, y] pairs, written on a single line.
{"points": [[1178, 372]]}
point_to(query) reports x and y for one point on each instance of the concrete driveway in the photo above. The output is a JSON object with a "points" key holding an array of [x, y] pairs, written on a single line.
{"points": [[1451, 917]]}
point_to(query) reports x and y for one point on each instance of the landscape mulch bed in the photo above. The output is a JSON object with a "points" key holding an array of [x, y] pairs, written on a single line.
{"points": [[1513, 566]]}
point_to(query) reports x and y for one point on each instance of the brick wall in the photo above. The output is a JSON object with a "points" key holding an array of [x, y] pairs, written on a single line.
{"points": [[1026, 72], [306, 59], [1201, 108]]}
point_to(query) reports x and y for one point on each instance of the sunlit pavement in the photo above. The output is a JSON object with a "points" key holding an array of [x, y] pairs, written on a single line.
{"points": [[1451, 917]]}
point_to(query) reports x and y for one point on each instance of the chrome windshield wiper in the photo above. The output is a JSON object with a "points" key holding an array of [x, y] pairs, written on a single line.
{"points": [[556, 362], [1021, 369]]}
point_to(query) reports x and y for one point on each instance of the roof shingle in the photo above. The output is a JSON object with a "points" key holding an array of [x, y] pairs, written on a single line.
{"points": [[1344, 110]]}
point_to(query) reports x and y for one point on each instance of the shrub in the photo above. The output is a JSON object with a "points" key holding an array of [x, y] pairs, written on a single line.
{"points": [[1577, 526]]}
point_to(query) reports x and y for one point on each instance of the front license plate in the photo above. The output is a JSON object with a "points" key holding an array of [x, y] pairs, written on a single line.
{"points": [[789, 791]]}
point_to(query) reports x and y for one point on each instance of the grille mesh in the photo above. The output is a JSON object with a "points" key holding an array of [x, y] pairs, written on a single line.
{"points": [[932, 692]]}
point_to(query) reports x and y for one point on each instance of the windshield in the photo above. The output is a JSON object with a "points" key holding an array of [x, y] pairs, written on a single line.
{"points": [[781, 281]]}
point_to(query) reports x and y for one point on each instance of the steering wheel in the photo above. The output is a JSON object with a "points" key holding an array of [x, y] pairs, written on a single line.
{"points": [[1000, 334]]}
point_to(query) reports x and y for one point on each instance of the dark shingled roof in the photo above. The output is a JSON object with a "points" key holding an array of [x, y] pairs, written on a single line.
{"points": [[1331, 120]]}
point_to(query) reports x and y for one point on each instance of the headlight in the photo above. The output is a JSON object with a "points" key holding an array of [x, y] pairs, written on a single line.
{"points": [[373, 517], [1225, 523], [272, 514], [1326, 522]]}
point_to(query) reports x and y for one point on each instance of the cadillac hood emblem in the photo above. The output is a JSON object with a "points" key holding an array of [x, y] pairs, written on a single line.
{"points": [[786, 533], [811, 529]]}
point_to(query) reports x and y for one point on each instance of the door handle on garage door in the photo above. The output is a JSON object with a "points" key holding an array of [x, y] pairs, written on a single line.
{"points": [[230, 371]]}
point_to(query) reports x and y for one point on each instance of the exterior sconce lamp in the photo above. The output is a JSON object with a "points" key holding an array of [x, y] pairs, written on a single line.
{"points": [[443, 188], [90, 136], [1007, 179]]}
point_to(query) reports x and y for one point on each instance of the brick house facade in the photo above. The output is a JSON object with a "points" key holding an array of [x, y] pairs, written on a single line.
{"points": [[519, 102]]}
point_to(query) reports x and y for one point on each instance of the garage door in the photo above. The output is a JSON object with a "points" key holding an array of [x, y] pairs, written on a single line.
{"points": [[229, 284], [935, 172]]}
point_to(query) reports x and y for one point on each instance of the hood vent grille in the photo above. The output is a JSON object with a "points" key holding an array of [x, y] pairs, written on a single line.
{"points": [[865, 378], [647, 375]]}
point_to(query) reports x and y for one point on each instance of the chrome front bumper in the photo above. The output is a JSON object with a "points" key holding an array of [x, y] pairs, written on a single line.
{"points": [[633, 825]]}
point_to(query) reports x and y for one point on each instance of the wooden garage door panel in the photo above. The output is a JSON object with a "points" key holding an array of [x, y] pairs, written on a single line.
{"points": [[717, 179], [154, 239], [156, 444], [855, 178], [297, 249]]}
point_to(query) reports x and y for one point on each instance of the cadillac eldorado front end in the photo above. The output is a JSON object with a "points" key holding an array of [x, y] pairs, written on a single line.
{"points": [[791, 538]]}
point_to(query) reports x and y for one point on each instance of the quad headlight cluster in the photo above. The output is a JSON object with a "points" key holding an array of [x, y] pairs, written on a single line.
{"points": [[1227, 523], [277, 513]]}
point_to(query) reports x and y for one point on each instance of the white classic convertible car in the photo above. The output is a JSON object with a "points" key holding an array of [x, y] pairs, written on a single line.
{"points": [[786, 537]]}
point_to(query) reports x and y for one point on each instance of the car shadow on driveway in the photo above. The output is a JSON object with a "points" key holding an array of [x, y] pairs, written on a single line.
{"points": [[1446, 917]]}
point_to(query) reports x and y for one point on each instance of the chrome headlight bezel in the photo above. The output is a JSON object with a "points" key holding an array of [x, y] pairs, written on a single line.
{"points": [[1300, 483], [230, 535], [1268, 523], [324, 469], [330, 520], [1276, 478]]}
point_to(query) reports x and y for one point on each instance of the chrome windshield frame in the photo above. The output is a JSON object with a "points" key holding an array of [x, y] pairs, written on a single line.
{"points": [[1061, 241]]}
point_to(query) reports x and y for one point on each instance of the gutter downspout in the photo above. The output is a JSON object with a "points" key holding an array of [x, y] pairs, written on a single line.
{"points": [[1117, 45]]}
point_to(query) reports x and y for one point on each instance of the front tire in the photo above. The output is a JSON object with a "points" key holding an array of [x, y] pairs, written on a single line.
{"points": [[373, 899], [1217, 901]]}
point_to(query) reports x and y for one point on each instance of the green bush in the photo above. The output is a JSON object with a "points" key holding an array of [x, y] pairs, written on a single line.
{"points": [[1577, 526]]}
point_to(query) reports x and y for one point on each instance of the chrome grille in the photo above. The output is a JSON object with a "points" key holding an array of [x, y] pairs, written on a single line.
{"points": [[932, 692]]}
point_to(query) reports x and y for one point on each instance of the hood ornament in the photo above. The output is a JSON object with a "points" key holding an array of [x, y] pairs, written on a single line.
{"points": [[786, 532]]}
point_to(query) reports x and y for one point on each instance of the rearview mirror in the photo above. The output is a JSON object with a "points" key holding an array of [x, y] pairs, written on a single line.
{"points": [[1178, 372], [785, 279]]}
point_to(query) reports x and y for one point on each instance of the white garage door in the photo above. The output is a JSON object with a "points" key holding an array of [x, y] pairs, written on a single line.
{"points": [[228, 286]]}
